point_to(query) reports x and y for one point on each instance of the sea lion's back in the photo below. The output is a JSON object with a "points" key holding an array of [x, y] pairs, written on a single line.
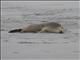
{"points": [[52, 24]]}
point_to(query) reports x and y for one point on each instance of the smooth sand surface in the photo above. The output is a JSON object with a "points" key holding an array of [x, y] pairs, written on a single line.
{"points": [[24, 46]]}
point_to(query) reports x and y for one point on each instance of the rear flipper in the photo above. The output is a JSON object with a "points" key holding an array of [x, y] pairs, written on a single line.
{"points": [[15, 30]]}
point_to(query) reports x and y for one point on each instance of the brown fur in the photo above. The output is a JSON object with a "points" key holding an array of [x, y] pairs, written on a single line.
{"points": [[44, 27]]}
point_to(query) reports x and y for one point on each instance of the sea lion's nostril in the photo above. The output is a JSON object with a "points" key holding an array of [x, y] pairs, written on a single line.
{"points": [[61, 32]]}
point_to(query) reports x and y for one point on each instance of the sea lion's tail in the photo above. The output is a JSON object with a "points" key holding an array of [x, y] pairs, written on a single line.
{"points": [[15, 30]]}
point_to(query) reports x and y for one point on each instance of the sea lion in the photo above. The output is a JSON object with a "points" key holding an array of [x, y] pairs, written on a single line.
{"points": [[50, 27]]}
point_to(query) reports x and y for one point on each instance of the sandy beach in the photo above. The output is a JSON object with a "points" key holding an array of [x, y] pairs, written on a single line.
{"points": [[25, 46]]}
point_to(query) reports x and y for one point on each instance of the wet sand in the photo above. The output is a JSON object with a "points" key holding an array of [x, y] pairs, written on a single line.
{"points": [[24, 46]]}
